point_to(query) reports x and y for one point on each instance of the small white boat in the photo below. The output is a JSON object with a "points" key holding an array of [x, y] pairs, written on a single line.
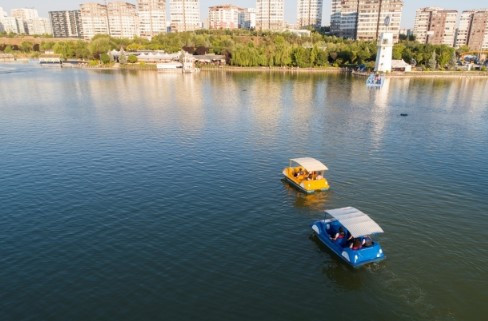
{"points": [[375, 80]]}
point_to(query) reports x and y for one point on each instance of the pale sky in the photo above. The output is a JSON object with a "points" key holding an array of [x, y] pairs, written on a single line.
{"points": [[43, 6]]}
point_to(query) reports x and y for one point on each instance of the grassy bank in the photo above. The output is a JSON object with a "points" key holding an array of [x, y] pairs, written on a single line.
{"points": [[273, 69], [440, 74]]}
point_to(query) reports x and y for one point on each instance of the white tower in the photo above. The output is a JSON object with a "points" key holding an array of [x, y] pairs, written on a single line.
{"points": [[385, 50]]}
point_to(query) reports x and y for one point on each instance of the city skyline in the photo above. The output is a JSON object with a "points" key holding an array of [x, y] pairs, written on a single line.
{"points": [[408, 16]]}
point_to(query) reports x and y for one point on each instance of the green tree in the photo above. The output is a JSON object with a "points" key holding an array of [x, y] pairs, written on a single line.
{"points": [[47, 45], [135, 47], [104, 58], [453, 61], [132, 59], [81, 50], [445, 55], [301, 57], [433, 61], [407, 55], [462, 50], [398, 51], [314, 52], [26, 46], [100, 45], [65, 49], [363, 55], [322, 58]]}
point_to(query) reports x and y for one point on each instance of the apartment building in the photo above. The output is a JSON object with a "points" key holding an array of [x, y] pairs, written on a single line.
{"points": [[152, 17], [365, 19], [122, 19], [435, 26], [473, 30], [247, 18], [309, 13], [66, 24], [224, 17], [185, 15], [38, 26], [24, 13], [343, 19], [270, 15], [29, 22], [9, 24], [94, 19]]}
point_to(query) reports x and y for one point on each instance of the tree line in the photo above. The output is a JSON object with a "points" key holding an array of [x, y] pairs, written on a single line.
{"points": [[251, 49]]}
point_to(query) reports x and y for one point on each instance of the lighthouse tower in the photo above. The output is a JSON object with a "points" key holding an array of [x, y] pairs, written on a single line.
{"points": [[385, 50]]}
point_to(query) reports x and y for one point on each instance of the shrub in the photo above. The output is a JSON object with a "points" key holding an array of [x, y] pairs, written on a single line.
{"points": [[105, 58], [132, 59]]}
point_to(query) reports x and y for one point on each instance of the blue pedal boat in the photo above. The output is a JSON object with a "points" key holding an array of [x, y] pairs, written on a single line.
{"points": [[358, 227], [375, 80]]}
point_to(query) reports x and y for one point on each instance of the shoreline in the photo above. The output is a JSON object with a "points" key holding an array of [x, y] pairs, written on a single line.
{"points": [[336, 70], [292, 70], [274, 69], [431, 74]]}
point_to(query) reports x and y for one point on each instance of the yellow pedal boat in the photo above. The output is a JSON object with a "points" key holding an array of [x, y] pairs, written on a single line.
{"points": [[307, 174]]}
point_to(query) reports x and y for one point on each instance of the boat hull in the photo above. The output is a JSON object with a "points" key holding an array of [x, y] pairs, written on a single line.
{"points": [[314, 186], [324, 229]]}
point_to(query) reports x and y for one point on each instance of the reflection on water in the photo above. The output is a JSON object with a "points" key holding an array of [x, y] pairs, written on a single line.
{"points": [[317, 201]]}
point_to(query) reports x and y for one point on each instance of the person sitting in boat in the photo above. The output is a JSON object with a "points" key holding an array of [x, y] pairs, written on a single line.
{"points": [[296, 172], [355, 245], [339, 235], [367, 241], [319, 176]]}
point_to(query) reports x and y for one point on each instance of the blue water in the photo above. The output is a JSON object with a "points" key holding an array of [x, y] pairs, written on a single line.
{"points": [[146, 196]]}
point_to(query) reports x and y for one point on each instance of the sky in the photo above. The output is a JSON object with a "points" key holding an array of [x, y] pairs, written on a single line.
{"points": [[408, 17]]}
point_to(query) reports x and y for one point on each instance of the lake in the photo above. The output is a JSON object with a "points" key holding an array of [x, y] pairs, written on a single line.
{"points": [[145, 196]]}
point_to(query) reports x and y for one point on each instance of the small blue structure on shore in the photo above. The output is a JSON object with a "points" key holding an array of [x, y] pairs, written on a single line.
{"points": [[347, 232]]}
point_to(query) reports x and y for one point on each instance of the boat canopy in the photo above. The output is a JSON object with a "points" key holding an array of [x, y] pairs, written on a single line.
{"points": [[310, 164], [355, 221]]}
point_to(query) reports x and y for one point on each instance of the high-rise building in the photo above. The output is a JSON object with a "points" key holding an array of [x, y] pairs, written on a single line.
{"points": [[365, 19], [309, 13], [24, 13], [185, 15], [38, 26], [344, 18], [224, 17], [435, 26], [270, 15], [9, 24], [152, 17], [94, 19], [122, 19], [473, 30], [462, 32], [28, 21], [66, 24], [247, 18]]}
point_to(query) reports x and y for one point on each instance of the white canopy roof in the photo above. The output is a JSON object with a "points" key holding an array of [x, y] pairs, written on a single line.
{"points": [[310, 164], [355, 221]]}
